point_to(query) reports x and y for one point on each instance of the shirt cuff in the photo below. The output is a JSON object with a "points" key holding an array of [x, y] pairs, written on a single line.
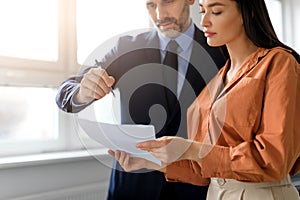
{"points": [[217, 163], [73, 103]]}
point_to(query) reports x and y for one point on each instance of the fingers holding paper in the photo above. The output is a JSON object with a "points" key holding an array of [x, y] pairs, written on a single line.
{"points": [[130, 163], [166, 149], [169, 149]]}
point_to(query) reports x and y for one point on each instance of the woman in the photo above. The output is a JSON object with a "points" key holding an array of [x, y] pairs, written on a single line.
{"points": [[244, 127]]}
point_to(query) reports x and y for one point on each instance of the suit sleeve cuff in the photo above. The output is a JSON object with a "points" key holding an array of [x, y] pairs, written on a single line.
{"points": [[75, 105]]}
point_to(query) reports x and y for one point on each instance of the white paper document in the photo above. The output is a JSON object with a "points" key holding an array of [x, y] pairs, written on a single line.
{"points": [[121, 137]]}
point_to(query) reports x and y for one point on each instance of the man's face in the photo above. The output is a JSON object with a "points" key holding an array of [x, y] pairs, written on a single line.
{"points": [[171, 17]]}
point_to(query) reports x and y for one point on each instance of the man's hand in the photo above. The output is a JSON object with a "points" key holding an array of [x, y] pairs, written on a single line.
{"points": [[129, 163], [95, 84]]}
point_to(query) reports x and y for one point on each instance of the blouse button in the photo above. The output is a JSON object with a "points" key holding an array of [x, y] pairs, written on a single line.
{"points": [[221, 181]]}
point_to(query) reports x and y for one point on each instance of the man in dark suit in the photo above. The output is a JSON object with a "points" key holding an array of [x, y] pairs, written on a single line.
{"points": [[135, 66]]}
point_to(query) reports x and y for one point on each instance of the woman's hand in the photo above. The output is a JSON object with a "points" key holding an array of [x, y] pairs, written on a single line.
{"points": [[169, 149], [129, 163]]}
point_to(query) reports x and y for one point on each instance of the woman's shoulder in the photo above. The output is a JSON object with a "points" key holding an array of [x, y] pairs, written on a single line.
{"points": [[281, 53], [282, 61]]}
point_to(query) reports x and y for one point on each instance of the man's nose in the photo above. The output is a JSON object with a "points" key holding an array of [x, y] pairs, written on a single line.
{"points": [[161, 12]]}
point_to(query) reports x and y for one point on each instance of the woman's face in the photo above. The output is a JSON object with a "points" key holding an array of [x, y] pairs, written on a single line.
{"points": [[221, 21]]}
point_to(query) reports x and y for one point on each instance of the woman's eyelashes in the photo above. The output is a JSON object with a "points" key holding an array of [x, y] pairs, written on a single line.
{"points": [[212, 12], [216, 12]]}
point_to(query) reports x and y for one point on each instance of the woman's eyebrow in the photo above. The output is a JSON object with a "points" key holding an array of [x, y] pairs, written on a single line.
{"points": [[213, 4]]}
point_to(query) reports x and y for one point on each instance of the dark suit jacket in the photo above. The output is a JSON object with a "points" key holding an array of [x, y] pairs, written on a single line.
{"points": [[135, 62]]}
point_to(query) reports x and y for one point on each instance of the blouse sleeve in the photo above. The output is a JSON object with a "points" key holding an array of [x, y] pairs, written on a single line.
{"points": [[274, 149]]}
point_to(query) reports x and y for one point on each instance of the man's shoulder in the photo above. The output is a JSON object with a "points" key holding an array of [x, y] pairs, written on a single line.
{"points": [[143, 38]]}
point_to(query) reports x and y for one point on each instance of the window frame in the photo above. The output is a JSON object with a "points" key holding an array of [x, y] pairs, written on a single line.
{"points": [[29, 72], [20, 72]]}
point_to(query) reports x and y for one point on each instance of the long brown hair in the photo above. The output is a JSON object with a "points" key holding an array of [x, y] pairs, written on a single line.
{"points": [[258, 26]]}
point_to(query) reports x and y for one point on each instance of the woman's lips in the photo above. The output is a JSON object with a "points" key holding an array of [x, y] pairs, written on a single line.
{"points": [[209, 34]]}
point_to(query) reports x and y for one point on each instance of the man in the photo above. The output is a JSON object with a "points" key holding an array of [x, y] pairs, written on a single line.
{"points": [[197, 63]]}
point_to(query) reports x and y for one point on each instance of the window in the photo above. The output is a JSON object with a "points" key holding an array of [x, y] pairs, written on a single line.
{"points": [[26, 106], [275, 11], [122, 18], [29, 31], [40, 43], [29, 120]]}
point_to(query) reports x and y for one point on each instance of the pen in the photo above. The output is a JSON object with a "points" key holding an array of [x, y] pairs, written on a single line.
{"points": [[98, 64]]}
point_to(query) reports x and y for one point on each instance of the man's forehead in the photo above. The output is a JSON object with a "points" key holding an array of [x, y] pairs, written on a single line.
{"points": [[155, 1]]}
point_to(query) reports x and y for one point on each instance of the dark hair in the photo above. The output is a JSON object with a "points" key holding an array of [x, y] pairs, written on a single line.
{"points": [[258, 26]]}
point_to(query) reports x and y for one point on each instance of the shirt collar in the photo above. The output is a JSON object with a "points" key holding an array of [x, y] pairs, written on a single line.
{"points": [[184, 40]]}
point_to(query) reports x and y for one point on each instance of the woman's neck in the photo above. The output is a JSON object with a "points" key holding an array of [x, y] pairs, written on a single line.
{"points": [[238, 52]]}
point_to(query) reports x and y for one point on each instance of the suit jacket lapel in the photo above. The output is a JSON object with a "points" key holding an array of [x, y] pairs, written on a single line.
{"points": [[202, 67], [152, 51]]}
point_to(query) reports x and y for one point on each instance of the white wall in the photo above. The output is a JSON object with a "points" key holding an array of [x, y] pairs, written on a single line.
{"points": [[61, 180], [293, 9]]}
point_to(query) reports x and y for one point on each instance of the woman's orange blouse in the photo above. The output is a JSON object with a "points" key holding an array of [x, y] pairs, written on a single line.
{"points": [[252, 124]]}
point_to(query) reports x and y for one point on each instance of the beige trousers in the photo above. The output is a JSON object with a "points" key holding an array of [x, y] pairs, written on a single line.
{"points": [[230, 189]]}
